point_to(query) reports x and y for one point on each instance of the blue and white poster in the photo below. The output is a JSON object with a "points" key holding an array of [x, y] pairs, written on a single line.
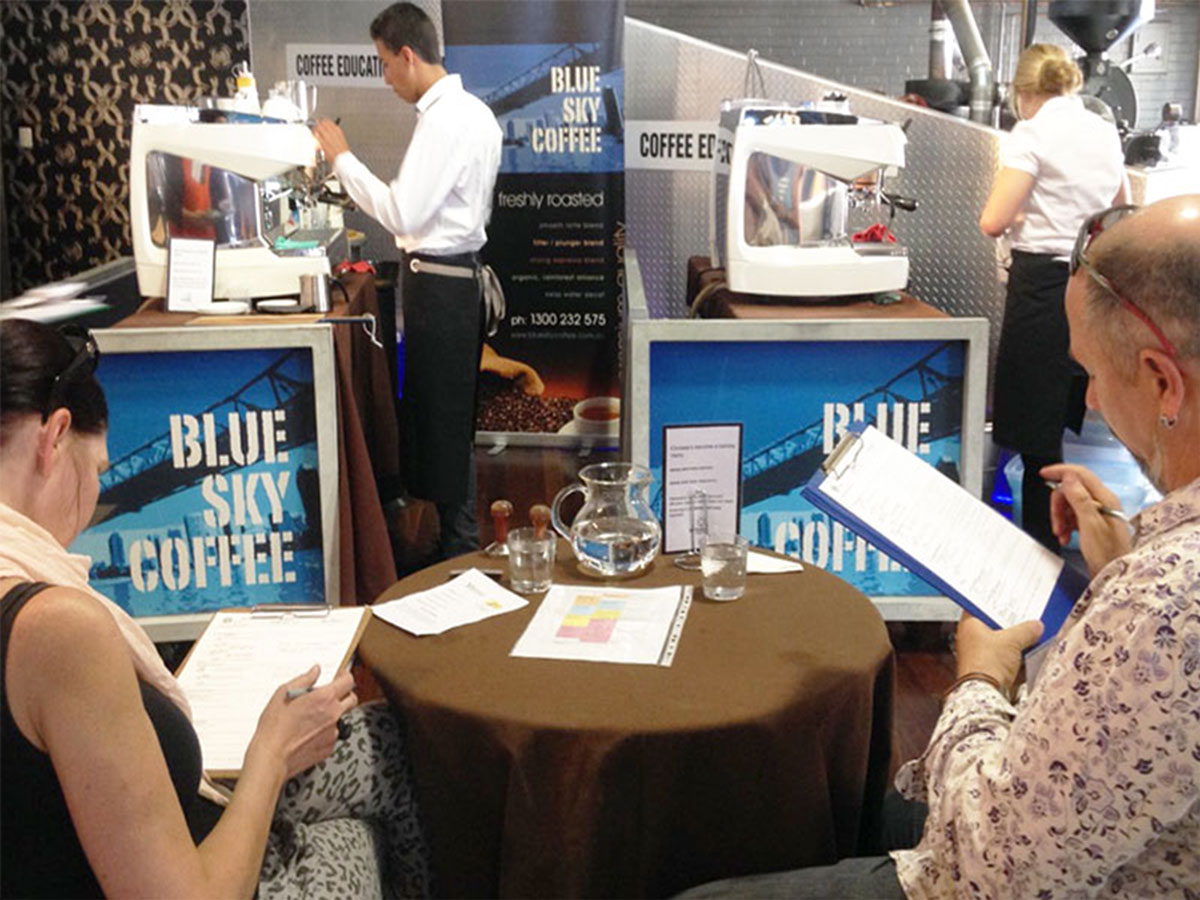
{"points": [[794, 400], [552, 73], [212, 497]]}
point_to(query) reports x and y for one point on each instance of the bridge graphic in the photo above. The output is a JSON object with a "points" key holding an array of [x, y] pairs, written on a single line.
{"points": [[787, 463], [147, 474], [534, 83]]}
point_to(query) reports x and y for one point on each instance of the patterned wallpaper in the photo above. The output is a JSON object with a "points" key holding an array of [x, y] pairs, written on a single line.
{"points": [[72, 71]]}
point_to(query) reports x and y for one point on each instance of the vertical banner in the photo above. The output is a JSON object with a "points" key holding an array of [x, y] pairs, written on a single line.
{"points": [[552, 72]]}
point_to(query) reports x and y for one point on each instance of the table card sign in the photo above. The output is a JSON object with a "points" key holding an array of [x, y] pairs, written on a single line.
{"points": [[607, 624], [702, 483], [191, 272]]}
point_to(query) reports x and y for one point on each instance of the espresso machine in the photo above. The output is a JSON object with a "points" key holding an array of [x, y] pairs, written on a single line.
{"points": [[781, 204], [255, 187]]}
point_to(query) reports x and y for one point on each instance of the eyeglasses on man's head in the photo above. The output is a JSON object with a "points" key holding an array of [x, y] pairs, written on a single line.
{"points": [[1094, 225]]}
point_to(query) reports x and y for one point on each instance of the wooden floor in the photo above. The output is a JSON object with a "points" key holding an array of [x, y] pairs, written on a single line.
{"points": [[924, 666]]}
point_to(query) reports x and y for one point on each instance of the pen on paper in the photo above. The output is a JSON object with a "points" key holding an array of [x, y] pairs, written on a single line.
{"points": [[1101, 508], [293, 693]]}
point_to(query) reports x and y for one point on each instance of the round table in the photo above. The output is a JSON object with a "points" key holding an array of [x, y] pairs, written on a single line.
{"points": [[764, 746]]}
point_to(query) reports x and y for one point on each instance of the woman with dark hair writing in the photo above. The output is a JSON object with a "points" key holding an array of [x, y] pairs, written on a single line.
{"points": [[101, 790]]}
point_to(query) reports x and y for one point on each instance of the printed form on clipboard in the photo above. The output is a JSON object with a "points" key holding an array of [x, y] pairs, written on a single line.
{"points": [[244, 655], [929, 523]]}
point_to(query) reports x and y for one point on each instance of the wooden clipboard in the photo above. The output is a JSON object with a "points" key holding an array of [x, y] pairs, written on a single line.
{"points": [[241, 659]]}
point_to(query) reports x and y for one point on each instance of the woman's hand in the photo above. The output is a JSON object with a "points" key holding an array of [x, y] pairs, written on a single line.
{"points": [[1075, 506], [301, 732]]}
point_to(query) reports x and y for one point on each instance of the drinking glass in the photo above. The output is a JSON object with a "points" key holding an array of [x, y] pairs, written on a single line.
{"points": [[530, 560], [723, 566]]}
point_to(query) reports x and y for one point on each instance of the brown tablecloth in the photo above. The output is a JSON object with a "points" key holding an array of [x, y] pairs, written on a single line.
{"points": [[718, 302], [368, 436], [765, 746]]}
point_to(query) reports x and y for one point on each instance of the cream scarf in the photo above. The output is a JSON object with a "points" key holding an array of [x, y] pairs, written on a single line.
{"points": [[29, 551]]}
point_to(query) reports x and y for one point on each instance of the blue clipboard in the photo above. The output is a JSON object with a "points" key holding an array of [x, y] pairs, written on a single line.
{"points": [[1066, 591]]}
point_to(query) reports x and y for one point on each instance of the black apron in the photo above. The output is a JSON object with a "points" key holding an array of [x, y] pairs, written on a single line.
{"points": [[443, 339], [1039, 389]]}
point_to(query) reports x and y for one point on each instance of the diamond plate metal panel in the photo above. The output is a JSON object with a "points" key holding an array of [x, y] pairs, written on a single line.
{"points": [[950, 164]]}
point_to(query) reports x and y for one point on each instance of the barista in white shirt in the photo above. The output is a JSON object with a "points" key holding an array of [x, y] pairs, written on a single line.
{"points": [[1060, 164], [437, 207]]}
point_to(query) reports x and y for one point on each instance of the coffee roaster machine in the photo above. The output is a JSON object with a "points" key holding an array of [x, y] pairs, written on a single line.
{"points": [[1096, 28]]}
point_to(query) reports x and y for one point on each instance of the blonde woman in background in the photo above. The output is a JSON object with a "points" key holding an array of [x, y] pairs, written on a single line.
{"points": [[1060, 164]]}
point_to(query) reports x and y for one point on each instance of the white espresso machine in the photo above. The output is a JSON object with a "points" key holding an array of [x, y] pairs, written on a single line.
{"points": [[254, 187], [781, 202]]}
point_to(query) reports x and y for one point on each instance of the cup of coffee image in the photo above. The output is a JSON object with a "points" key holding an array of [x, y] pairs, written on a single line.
{"points": [[597, 415]]}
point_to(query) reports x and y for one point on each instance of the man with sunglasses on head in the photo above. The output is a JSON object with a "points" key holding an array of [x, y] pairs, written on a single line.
{"points": [[1088, 783]]}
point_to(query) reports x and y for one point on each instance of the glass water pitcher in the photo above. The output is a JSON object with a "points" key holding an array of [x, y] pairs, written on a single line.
{"points": [[615, 534]]}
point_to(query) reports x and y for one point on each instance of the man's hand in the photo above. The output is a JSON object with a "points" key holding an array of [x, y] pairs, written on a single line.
{"points": [[996, 653], [512, 369], [331, 138], [1075, 506]]}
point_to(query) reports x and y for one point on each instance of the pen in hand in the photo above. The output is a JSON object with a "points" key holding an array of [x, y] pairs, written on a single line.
{"points": [[1100, 507]]}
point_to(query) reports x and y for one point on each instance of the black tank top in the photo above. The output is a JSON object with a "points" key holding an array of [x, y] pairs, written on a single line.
{"points": [[40, 856]]}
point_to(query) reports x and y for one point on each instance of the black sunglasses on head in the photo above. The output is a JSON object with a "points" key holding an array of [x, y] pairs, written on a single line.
{"points": [[87, 354], [1092, 226]]}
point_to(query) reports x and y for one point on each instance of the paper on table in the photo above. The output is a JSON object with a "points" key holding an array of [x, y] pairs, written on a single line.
{"points": [[605, 624], [1005, 573], [241, 659], [471, 597], [758, 563]]}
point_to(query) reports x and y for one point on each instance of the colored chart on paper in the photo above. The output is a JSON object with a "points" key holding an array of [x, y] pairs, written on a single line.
{"points": [[591, 619], [609, 624]]}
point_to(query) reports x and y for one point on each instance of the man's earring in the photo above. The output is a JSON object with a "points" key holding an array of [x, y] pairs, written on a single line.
{"points": [[1167, 422]]}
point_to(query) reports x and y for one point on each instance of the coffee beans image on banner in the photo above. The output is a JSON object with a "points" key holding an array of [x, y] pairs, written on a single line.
{"points": [[504, 407]]}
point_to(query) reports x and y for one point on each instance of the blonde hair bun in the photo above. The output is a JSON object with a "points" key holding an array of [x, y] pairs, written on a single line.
{"points": [[1047, 69]]}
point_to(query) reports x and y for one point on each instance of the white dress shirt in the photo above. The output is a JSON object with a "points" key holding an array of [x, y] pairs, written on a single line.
{"points": [[441, 199], [1077, 165]]}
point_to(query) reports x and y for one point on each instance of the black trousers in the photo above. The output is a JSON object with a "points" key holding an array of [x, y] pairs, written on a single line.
{"points": [[857, 878], [1039, 389], [443, 339]]}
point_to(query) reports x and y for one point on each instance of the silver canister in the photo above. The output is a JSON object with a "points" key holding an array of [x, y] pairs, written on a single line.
{"points": [[314, 293]]}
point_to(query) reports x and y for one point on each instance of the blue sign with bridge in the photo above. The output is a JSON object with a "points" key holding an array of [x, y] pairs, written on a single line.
{"points": [[794, 400], [212, 496]]}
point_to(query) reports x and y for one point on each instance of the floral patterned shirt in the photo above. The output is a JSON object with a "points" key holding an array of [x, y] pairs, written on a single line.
{"points": [[1090, 786]]}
